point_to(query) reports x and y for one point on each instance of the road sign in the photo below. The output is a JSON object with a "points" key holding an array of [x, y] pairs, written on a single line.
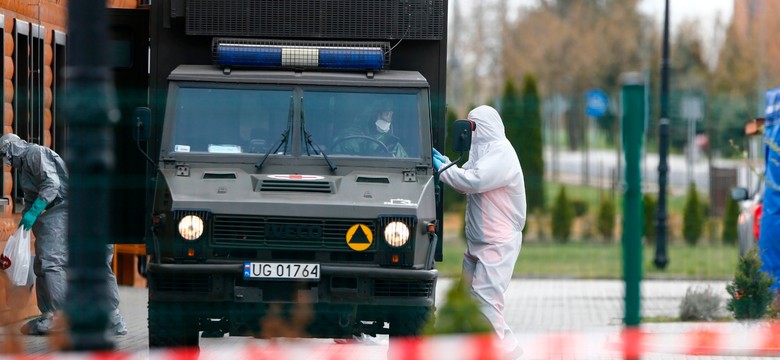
{"points": [[692, 108], [596, 102]]}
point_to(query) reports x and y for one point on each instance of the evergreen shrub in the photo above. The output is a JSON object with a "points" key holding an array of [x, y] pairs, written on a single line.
{"points": [[606, 218], [730, 216], [562, 217], [750, 290], [693, 216], [460, 314]]}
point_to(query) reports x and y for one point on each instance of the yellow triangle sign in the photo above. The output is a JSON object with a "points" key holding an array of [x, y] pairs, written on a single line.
{"points": [[359, 237]]}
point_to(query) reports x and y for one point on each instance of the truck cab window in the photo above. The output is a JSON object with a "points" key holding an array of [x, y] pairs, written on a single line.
{"points": [[364, 124], [224, 120]]}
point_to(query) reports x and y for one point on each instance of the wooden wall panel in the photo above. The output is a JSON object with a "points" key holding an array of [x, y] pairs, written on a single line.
{"points": [[52, 14], [9, 114], [16, 304]]}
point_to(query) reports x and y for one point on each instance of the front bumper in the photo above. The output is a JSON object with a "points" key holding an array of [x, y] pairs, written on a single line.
{"points": [[337, 285]]}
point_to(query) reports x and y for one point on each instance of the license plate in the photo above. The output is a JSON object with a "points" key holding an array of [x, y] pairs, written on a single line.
{"points": [[264, 270]]}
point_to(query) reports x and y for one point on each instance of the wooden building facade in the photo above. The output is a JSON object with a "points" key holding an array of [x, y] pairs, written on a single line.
{"points": [[34, 44]]}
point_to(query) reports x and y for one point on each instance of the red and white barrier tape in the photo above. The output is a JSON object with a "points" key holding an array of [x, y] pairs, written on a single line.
{"points": [[728, 339]]}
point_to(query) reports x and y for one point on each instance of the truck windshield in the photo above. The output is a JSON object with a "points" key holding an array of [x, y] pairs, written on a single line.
{"points": [[230, 120], [363, 123]]}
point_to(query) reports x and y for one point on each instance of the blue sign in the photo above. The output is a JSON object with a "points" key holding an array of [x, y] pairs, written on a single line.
{"points": [[596, 103]]}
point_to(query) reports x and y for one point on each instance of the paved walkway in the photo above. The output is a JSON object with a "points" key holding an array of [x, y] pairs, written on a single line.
{"points": [[561, 319]]}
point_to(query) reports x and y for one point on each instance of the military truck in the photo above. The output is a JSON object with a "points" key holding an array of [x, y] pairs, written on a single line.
{"points": [[267, 183]]}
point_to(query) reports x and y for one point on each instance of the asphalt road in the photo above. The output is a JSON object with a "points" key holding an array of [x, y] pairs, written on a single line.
{"points": [[602, 165]]}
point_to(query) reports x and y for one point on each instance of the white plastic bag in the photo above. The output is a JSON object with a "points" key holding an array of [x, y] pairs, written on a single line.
{"points": [[16, 257]]}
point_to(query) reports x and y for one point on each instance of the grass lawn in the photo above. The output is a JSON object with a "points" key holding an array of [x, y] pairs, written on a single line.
{"points": [[710, 260], [592, 196], [585, 259], [604, 261]]}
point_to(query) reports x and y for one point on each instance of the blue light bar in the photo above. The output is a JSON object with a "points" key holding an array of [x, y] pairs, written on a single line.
{"points": [[351, 58], [297, 56], [248, 55]]}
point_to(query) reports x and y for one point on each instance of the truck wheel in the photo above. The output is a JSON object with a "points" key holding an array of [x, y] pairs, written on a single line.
{"points": [[172, 325], [410, 321]]}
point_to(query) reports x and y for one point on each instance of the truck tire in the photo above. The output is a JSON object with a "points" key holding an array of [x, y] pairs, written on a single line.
{"points": [[172, 325]]}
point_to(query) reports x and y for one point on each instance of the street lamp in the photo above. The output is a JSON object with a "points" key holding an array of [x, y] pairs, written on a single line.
{"points": [[661, 260]]}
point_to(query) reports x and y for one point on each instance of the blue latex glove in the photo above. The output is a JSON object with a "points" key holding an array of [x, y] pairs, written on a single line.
{"points": [[437, 162], [436, 152], [28, 219]]}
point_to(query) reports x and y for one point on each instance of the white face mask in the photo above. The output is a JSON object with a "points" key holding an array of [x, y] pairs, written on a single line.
{"points": [[382, 126]]}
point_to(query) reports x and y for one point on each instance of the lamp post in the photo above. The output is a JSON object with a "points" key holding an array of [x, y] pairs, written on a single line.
{"points": [[90, 161], [661, 260]]}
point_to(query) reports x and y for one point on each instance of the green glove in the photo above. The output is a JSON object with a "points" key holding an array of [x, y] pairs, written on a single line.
{"points": [[28, 219]]}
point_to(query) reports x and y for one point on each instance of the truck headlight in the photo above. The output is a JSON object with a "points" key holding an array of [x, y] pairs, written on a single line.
{"points": [[396, 234], [191, 227]]}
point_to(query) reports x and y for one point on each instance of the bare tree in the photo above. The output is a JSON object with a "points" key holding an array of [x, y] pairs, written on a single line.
{"points": [[572, 46]]}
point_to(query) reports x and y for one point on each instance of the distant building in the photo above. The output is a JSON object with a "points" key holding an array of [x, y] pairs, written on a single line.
{"points": [[757, 20]]}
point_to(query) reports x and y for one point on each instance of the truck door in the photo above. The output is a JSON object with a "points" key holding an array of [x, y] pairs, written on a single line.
{"points": [[129, 47]]}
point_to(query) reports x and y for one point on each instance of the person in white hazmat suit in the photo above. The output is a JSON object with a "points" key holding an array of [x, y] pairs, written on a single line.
{"points": [[492, 180], [43, 178]]}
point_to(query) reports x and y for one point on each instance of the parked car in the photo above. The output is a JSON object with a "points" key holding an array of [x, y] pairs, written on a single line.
{"points": [[749, 220]]}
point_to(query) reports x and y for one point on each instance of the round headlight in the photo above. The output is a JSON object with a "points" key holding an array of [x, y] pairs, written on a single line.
{"points": [[191, 227], [396, 233]]}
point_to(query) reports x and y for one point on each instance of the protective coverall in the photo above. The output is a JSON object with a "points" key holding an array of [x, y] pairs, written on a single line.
{"points": [[495, 216], [43, 178]]}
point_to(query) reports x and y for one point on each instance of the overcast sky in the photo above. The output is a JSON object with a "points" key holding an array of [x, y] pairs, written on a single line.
{"points": [[704, 10]]}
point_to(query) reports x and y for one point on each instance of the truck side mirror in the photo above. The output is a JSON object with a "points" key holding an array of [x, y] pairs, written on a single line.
{"points": [[142, 129], [461, 135], [739, 194]]}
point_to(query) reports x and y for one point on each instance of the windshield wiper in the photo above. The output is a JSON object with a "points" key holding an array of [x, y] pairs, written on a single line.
{"points": [[311, 143], [282, 141], [317, 150]]}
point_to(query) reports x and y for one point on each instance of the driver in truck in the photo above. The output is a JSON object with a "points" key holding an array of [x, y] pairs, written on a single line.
{"points": [[379, 127]]}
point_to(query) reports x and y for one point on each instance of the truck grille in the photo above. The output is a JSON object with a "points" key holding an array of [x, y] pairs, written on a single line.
{"points": [[248, 231], [295, 186], [344, 19], [403, 288]]}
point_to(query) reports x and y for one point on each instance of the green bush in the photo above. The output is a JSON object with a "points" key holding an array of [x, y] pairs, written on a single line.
{"points": [[562, 217], [750, 290], [526, 136], [693, 216], [606, 218], [649, 218], [580, 207], [460, 314], [730, 215], [699, 304]]}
